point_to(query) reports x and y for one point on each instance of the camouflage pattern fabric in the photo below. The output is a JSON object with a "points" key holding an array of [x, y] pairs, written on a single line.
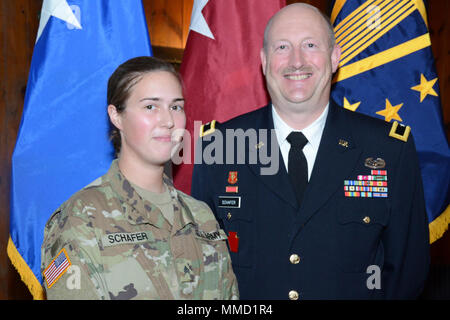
{"points": [[121, 247]]}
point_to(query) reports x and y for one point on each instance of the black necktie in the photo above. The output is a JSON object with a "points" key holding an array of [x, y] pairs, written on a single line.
{"points": [[297, 165]]}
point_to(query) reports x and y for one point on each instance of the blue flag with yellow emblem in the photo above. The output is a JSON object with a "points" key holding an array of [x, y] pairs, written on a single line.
{"points": [[387, 71], [63, 142]]}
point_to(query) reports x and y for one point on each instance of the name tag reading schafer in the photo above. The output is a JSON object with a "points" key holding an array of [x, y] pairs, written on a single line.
{"points": [[113, 239], [229, 202]]}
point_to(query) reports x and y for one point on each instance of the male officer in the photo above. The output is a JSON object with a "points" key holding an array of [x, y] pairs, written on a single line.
{"points": [[344, 215]]}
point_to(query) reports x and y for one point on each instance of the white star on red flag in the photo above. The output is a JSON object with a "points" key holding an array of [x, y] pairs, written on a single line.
{"points": [[198, 22]]}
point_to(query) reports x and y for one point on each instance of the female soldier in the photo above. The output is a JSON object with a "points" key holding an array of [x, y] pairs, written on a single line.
{"points": [[130, 234]]}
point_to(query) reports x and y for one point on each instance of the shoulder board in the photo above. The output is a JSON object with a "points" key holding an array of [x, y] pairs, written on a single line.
{"points": [[207, 128], [400, 131]]}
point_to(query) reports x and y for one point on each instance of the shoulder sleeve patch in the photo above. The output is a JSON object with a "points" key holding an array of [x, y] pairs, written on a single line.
{"points": [[400, 131], [207, 128], [57, 268]]}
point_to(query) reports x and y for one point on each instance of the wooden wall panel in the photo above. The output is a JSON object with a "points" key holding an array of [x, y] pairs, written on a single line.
{"points": [[187, 10], [19, 23], [168, 22]]}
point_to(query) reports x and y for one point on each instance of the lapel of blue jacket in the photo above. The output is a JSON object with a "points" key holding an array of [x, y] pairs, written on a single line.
{"points": [[336, 158], [279, 182]]}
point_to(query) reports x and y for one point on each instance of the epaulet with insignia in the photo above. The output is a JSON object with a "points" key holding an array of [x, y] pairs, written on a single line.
{"points": [[400, 131], [207, 128]]}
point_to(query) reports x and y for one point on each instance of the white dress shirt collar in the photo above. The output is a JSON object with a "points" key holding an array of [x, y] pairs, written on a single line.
{"points": [[313, 133]]}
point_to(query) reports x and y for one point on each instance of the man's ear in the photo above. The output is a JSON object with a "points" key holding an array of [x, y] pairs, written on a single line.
{"points": [[114, 116], [263, 56], [335, 57]]}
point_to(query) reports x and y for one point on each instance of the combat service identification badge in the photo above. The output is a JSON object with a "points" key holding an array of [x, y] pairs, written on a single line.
{"points": [[378, 163]]}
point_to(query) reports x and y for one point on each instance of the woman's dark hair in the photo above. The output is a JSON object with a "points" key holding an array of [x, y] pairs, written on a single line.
{"points": [[123, 79]]}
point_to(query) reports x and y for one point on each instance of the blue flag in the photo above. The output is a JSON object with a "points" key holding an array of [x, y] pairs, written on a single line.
{"points": [[63, 142], [387, 71]]}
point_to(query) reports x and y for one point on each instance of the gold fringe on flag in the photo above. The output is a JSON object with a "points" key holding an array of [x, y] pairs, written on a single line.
{"points": [[439, 225], [26, 275]]}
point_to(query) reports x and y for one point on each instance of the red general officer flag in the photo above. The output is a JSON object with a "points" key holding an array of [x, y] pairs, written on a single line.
{"points": [[221, 66]]}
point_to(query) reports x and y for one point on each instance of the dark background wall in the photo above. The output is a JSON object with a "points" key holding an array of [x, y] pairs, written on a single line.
{"points": [[168, 23]]}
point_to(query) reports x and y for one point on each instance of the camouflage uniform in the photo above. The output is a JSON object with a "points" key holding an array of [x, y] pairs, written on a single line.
{"points": [[121, 246]]}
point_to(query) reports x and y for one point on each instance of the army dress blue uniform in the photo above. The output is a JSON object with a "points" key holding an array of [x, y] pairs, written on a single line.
{"points": [[362, 216]]}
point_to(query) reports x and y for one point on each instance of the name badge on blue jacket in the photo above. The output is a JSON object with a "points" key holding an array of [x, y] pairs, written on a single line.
{"points": [[229, 202]]}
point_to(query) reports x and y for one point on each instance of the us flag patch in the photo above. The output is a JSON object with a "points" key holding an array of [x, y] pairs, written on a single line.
{"points": [[57, 267]]}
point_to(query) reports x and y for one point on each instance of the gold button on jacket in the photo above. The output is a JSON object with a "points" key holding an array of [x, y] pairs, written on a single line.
{"points": [[293, 295], [294, 258]]}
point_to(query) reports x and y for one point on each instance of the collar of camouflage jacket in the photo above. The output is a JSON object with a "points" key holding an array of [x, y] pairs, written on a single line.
{"points": [[141, 211]]}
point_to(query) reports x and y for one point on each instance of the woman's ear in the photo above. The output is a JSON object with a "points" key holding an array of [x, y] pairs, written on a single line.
{"points": [[114, 116]]}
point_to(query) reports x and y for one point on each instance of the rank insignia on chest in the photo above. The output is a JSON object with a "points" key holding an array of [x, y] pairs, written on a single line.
{"points": [[232, 177], [374, 185]]}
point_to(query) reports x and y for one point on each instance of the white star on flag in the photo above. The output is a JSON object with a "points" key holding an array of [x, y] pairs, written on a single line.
{"points": [[59, 9], [198, 22]]}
